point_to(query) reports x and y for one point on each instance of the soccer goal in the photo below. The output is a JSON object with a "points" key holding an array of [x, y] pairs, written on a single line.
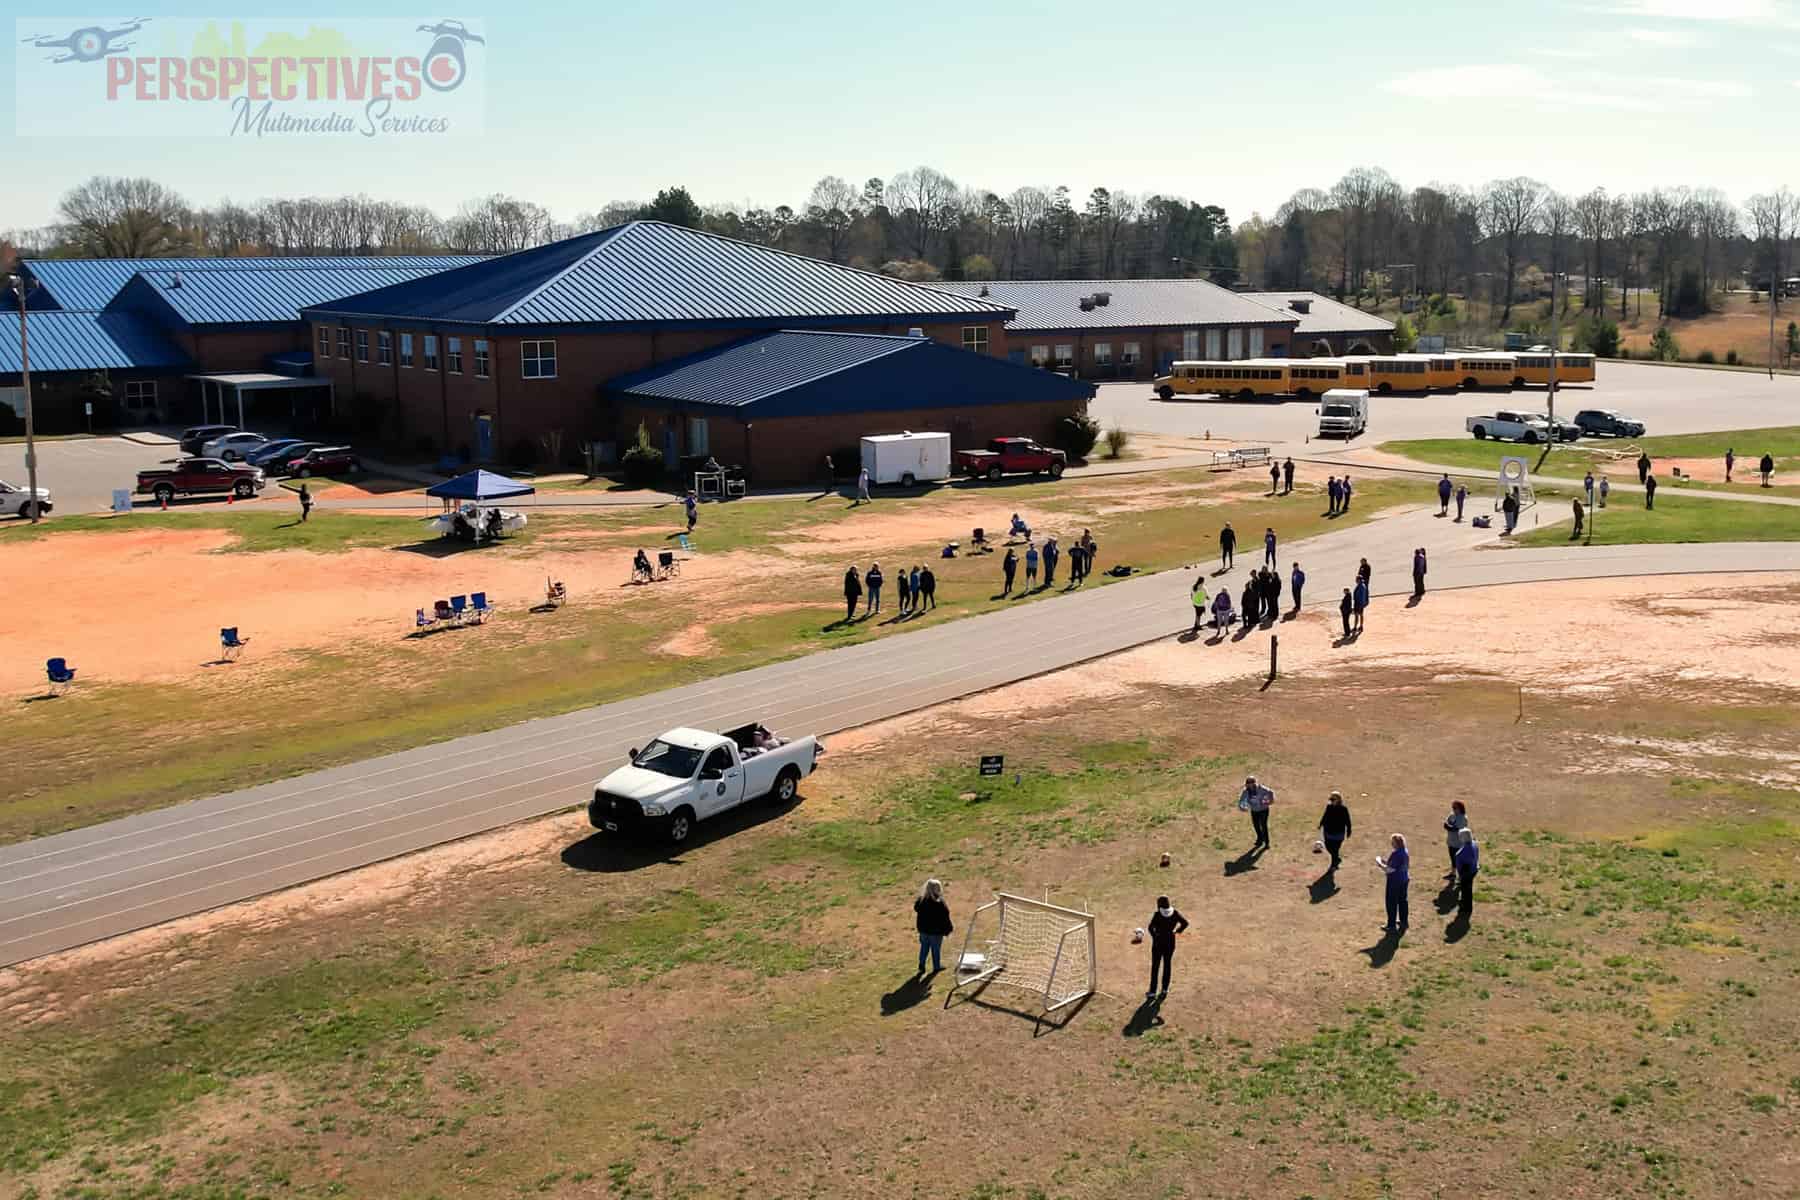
{"points": [[1032, 945], [1515, 476]]}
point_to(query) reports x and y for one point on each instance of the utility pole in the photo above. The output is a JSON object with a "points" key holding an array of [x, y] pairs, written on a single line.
{"points": [[1772, 281], [18, 286], [1555, 345]]}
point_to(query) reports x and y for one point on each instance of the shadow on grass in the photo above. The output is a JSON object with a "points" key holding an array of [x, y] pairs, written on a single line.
{"points": [[1324, 887], [605, 853], [1147, 1017], [913, 991], [1244, 863], [1382, 952]]}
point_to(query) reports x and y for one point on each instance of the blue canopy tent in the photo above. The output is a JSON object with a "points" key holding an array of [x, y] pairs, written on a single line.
{"points": [[479, 485]]}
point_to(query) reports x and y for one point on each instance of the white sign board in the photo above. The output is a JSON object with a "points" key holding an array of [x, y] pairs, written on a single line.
{"points": [[121, 500]]}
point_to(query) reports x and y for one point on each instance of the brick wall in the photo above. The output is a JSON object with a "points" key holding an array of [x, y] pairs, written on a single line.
{"points": [[238, 351]]}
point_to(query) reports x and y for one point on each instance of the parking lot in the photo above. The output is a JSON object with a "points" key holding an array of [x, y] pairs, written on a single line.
{"points": [[81, 473], [1667, 399]]}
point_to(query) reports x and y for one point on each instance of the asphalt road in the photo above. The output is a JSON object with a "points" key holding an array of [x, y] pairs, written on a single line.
{"points": [[1666, 399], [61, 891]]}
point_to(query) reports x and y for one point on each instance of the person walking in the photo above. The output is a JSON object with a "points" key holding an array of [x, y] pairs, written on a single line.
{"points": [[1255, 799], [862, 486], [903, 590], [1202, 602], [1444, 489], [1051, 554], [1274, 477], [1462, 494], [1287, 471], [1398, 868], [1649, 491], [1467, 862], [1345, 606], [305, 503], [1009, 566], [1509, 508], [1587, 487], [1165, 923], [928, 582], [932, 917], [1419, 573], [1730, 462], [1360, 602], [692, 504], [1227, 545], [1334, 827], [830, 475], [1221, 609], [1333, 494], [1643, 465], [872, 580], [1454, 824], [1580, 516], [1268, 547], [1031, 565], [1767, 469], [852, 593], [1296, 581]]}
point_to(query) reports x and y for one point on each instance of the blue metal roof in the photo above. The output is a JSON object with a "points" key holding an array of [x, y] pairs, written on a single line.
{"points": [[809, 373], [248, 297], [87, 341], [648, 272], [1055, 305], [74, 283]]}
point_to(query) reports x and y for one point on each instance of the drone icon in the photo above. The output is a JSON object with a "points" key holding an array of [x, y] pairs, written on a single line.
{"points": [[445, 64], [89, 44], [453, 29]]}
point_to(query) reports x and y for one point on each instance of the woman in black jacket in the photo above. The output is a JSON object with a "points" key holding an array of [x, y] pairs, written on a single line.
{"points": [[1165, 923], [932, 916], [1334, 826]]}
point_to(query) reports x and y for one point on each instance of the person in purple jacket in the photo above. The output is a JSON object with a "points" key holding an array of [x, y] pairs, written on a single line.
{"points": [[1397, 865], [1468, 863]]}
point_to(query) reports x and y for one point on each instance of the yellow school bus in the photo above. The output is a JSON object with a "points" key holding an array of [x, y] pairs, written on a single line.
{"points": [[1309, 377], [1440, 370], [1489, 368], [1398, 373], [1574, 368], [1244, 379]]}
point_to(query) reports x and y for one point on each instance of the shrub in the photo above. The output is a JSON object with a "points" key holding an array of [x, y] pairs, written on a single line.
{"points": [[1705, 356], [1597, 335], [1731, 358], [1405, 338], [1690, 301], [1076, 435], [1663, 346], [642, 463], [1116, 441]]}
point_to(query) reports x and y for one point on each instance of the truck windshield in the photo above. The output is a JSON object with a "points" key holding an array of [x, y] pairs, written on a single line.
{"points": [[664, 759], [1337, 410]]}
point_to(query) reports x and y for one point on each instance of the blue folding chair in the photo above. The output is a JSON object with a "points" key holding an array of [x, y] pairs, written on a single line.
{"points": [[230, 644], [478, 602], [459, 605], [61, 675]]}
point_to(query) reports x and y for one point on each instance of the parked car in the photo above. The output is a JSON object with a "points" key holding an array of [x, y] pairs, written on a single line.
{"points": [[325, 460], [1603, 422], [1012, 456], [20, 501], [195, 437], [1560, 430], [278, 451], [278, 465], [233, 446], [1510, 426], [201, 476], [688, 775]]}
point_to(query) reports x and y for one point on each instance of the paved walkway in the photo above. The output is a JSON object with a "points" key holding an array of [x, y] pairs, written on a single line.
{"points": [[61, 891]]}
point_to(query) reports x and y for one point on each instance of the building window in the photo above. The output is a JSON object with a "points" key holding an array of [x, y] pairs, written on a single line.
{"points": [[453, 355], [1190, 344], [537, 360], [431, 358], [406, 350], [140, 393], [1256, 346], [1103, 354], [975, 337], [362, 345], [1212, 345], [343, 341], [1040, 356], [697, 441], [1130, 354], [1065, 356], [324, 341], [1234, 344], [481, 358], [384, 348]]}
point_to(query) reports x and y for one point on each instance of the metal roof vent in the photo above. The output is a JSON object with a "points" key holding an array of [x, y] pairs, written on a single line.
{"points": [[1102, 298], [1087, 304], [1300, 306], [984, 291], [916, 332], [175, 280]]}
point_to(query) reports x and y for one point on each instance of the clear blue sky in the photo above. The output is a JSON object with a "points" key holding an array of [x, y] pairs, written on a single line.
{"points": [[1232, 105]]}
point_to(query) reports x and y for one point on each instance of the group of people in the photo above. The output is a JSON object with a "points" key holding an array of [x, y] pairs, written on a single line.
{"points": [[1764, 467], [1261, 599], [1356, 599], [1081, 561], [916, 588], [1281, 477], [1448, 491], [1337, 494]]}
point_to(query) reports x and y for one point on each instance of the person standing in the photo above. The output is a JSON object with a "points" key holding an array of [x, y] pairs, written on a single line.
{"points": [[872, 579], [305, 503], [1364, 572], [830, 474], [928, 582], [1222, 611], [1444, 489], [1580, 516], [1165, 923], [1730, 462], [1643, 465], [1347, 491], [1587, 486], [1009, 566], [1419, 573], [1255, 800], [903, 590], [852, 592], [1605, 490], [1334, 827], [1360, 602], [1201, 601], [1051, 554], [1077, 564], [1287, 471], [1466, 861], [1462, 494], [1268, 547], [1509, 508], [1649, 491], [1227, 545], [1333, 494], [1272, 602], [1252, 604], [1345, 606], [1297, 580], [862, 486], [1274, 477], [916, 578], [1454, 824], [1031, 565], [1767, 468], [932, 917], [1397, 866], [692, 504]]}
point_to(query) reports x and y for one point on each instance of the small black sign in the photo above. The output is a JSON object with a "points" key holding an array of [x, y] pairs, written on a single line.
{"points": [[993, 764]]}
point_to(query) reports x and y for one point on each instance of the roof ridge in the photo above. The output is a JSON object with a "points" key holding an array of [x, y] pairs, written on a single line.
{"points": [[602, 238]]}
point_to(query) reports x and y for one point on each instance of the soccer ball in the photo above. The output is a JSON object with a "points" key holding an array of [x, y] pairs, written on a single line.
{"points": [[1318, 847]]}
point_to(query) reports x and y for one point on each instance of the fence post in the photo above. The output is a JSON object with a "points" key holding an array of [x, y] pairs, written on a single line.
{"points": [[1274, 648]]}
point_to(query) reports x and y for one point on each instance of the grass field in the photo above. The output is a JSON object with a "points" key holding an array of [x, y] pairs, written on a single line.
{"points": [[742, 1020], [120, 748], [1676, 518], [1619, 456]]}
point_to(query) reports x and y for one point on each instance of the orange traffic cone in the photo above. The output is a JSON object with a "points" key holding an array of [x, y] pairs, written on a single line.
{"points": [[165, 504], [230, 499]]}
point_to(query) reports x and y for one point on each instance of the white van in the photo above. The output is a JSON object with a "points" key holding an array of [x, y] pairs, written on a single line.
{"points": [[1343, 413], [906, 458]]}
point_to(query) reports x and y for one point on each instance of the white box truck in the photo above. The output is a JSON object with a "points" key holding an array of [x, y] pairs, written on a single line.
{"points": [[906, 458], [1343, 412]]}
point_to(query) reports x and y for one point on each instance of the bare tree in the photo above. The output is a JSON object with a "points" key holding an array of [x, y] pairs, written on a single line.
{"points": [[1557, 220], [1591, 224], [110, 217], [918, 198], [499, 224], [831, 209], [1772, 217], [1715, 225], [1030, 207], [1509, 207]]}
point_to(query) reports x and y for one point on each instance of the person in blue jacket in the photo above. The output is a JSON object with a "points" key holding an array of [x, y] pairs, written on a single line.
{"points": [[1468, 863], [1398, 868], [1297, 580]]}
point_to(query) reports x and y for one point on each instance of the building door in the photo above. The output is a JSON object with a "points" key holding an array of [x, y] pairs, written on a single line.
{"points": [[484, 437]]}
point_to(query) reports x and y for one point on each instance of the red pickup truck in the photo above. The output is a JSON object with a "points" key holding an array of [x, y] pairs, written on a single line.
{"points": [[1012, 456], [194, 476]]}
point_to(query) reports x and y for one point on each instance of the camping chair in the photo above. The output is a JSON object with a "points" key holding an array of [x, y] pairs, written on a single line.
{"points": [[979, 540], [479, 606], [1679, 477], [641, 571], [61, 675], [442, 609], [230, 644], [459, 608], [667, 565], [421, 621], [555, 594]]}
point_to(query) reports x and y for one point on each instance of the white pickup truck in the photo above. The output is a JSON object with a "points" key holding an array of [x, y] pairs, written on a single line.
{"points": [[19, 500], [1509, 426], [688, 775]]}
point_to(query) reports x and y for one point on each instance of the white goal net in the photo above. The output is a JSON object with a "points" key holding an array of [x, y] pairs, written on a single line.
{"points": [[1032, 945], [1515, 477]]}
